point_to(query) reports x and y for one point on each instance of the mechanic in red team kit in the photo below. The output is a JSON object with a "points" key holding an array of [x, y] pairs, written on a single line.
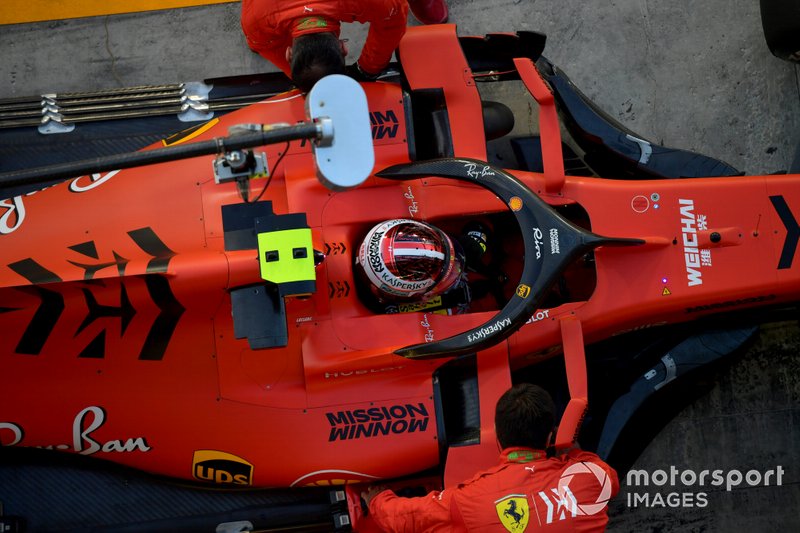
{"points": [[302, 37], [526, 491]]}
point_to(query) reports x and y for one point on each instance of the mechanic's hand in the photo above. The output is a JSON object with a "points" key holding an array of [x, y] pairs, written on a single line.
{"points": [[355, 71], [373, 491]]}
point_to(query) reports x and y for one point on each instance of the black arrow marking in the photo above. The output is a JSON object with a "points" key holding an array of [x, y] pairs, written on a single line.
{"points": [[89, 249], [165, 324], [792, 231], [43, 322], [148, 241], [121, 263], [34, 272], [90, 270], [125, 312], [335, 249], [49, 311], [95, 349], [339, 289]]}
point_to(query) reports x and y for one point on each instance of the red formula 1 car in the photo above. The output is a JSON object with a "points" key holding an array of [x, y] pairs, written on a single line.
{"points": [[203, 319]]}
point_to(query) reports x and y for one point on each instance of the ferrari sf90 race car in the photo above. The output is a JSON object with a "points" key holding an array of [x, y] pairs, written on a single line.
{"points": [[235, 307]]}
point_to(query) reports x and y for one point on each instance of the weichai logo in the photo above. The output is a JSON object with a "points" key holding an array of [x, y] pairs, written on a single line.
{"points": [[220, 467], [377, 421], [690, 252], [383, 124]]}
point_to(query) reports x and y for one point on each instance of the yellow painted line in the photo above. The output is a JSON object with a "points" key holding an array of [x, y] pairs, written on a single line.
{"points": [[19, 11], [189, 134]]}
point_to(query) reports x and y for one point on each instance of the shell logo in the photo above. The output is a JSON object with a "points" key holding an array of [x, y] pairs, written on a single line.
{"points": [[327, 478]]}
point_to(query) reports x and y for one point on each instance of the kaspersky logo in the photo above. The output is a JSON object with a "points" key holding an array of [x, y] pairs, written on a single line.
{"points": [[220, 467]]}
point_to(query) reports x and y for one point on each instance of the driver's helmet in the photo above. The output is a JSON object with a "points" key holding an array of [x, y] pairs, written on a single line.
{"points": [[406, 260]]}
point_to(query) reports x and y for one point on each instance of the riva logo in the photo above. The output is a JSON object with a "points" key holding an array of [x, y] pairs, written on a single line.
{"points": [[220, 467]]}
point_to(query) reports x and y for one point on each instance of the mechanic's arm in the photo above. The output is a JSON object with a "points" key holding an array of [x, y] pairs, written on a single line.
{"points": [[399, 515], [387, 25], [263, 36]]}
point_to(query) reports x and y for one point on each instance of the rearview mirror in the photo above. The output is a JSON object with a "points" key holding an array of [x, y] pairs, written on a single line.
{"points": [[344, 154]]}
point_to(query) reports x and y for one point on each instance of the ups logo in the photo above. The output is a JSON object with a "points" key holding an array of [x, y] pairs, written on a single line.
{"points": [[221, 467], [523, 290]]}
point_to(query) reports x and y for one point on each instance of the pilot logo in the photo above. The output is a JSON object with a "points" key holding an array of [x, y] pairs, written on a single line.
{"points": [[523, 290], [220, 467], [540, 315], [513, 512]]}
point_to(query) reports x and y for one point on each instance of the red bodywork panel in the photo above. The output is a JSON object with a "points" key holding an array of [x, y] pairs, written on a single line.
{"points": [[117, 337]]}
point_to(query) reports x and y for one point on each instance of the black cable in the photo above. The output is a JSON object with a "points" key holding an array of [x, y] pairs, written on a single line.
{"points": [[272, 171]]}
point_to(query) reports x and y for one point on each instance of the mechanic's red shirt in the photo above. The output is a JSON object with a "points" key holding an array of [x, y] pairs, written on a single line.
{"points": [[525, 492], [270, 25]]}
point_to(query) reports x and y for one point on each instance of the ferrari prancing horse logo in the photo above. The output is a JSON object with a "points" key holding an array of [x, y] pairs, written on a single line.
{"points": [[513, 512]]}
